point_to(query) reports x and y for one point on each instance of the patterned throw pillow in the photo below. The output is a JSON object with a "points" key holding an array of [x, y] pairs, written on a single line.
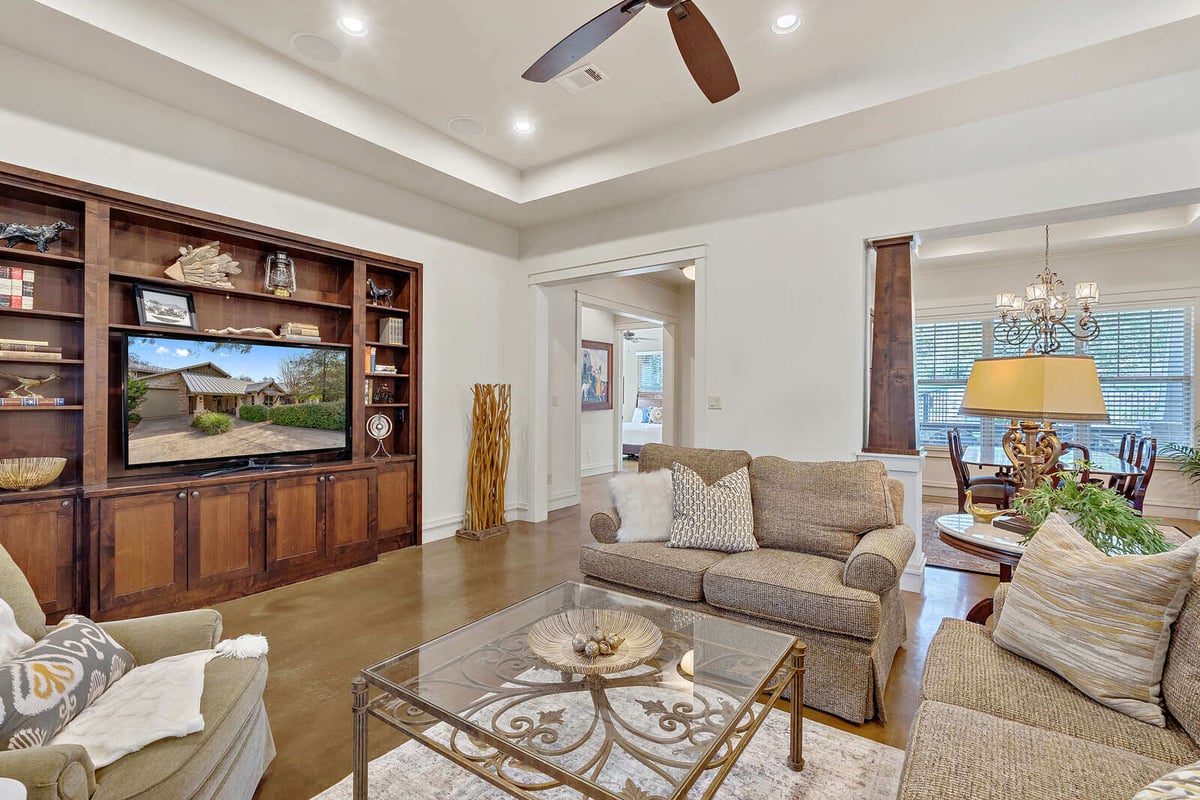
{"points": [[1101, 622], [717, 517], [1179, 784], [655, 415], [49, 684]]}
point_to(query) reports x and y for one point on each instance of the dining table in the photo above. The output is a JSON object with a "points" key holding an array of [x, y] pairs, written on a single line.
{"points": [[1101, 463]]}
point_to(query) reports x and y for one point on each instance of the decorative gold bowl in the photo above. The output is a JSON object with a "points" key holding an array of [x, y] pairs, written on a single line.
{"points": [[550, 640], [24, 474]]}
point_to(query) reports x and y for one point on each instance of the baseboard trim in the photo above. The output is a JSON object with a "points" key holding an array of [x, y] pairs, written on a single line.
{"points": [[564, 499], [913, 577], [445, 527], [589, 471]]}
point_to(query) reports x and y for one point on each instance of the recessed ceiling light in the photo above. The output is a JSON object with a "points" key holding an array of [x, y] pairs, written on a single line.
{"points": [[353, 26], [786, 23], [318, 48], [524, 126], [466, 126]]}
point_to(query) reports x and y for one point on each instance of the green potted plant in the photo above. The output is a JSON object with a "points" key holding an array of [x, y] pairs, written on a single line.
{"points": [[1102, 515], [1189, 463]]}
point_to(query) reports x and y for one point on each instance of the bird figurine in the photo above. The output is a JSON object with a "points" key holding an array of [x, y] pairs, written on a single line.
{"points": [[982, 515], [25, 386]]}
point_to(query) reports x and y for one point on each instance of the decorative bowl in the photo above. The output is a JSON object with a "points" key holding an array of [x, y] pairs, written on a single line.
{"points": [[550, 640], [23, 474]]}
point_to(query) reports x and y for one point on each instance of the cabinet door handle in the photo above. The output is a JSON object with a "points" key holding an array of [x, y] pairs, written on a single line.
{"points": [[66, 504], [181, 495], [195, 494], [331, 479], [321, 479]]}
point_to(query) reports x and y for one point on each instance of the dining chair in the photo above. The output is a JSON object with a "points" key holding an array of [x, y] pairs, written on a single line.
{"points": [[1084, 457], [1136, 486], [1126, 452], [985, 489]]}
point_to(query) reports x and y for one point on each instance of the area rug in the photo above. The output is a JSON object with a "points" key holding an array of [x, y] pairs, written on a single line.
{"points": [[940, 554], [838, 765]]}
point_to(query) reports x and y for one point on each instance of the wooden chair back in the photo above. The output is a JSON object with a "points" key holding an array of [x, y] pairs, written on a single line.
{"points": [[1127, 453], [962, 475], [1147, 455], [1085, 456]]}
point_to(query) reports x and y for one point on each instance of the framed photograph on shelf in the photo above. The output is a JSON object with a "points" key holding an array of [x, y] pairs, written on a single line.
{"points": [[596, 376], [164, 308]]}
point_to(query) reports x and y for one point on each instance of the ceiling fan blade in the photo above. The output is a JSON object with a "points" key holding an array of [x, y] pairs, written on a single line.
{"points": [[703, 52], [583, 41]]}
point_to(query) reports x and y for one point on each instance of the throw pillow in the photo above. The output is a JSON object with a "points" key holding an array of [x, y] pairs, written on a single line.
{"points": [[643, 503], [655, 415], [49, 684], [12, 639], [717, 517], [820, 508], [1101, 622], [1179, 784]]}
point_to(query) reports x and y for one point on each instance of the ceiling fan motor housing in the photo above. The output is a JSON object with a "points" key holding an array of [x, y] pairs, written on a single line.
{"points": [[665, 3]]}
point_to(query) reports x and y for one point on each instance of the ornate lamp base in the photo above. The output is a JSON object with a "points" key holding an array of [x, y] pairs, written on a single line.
{"points": [[1034, 450]]}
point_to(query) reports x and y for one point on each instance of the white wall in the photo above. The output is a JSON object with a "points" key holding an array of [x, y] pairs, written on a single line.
{"points": [[597, 447], [82, 128], [564, 443], [1130, 275], [785, 316]]}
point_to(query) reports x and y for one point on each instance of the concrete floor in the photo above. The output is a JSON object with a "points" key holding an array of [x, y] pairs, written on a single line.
{"points": [[323, 631]]}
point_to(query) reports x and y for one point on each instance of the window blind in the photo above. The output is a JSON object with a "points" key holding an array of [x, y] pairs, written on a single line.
{"points": [[1144, 357], [650, 372]]}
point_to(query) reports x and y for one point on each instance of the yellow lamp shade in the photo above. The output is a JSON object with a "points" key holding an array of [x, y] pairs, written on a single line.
{"points": [[1053, 388]]}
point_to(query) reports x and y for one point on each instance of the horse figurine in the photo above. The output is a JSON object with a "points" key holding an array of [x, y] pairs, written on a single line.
{"points": [[378, 296]]}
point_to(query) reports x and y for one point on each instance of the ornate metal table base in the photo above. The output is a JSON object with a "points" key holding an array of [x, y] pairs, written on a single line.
{"points": [[522, 750]]}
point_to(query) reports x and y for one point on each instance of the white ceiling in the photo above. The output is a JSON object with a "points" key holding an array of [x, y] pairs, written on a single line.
{"points": [[840, 82]]}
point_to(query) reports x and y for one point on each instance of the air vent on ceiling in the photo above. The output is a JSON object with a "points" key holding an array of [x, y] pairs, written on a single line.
{"points": [[577, 80]]}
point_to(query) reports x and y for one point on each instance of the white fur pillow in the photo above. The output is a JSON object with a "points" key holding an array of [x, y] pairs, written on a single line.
{"points": [[13, 640], [644, 502]]}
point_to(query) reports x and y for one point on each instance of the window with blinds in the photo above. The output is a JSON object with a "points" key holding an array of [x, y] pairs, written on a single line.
{"points": [[650, 372], [1144, 357]]}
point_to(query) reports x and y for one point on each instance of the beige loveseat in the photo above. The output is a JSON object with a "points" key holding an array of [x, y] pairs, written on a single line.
{"points": [[993, 725], [828, 569], [225, 761]]}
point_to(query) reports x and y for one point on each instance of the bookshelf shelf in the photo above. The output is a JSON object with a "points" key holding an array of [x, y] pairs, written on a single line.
{"points": [[56, 362], [387, 375], [258, 339], [131, 277], [7, 409], [387, 405], [40, 314], [384, 344], [34, 257]]}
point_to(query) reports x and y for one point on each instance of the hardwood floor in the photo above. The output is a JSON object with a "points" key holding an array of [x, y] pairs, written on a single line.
{"points": [[323, 631]]}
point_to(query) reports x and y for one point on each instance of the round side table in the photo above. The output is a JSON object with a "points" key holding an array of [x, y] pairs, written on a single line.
{"points": [[962, 532]]}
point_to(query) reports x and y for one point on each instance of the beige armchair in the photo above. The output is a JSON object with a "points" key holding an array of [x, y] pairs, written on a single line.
{"points": [[226, 760]]}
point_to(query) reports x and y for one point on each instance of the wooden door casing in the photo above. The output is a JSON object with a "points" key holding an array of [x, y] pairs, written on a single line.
{"points": [[143, 548], [350, 511], [40, 537], [295, 522], [226, 540]]}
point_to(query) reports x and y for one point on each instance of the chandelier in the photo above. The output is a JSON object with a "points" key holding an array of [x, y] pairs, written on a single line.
{"points": [[1039, 318]]}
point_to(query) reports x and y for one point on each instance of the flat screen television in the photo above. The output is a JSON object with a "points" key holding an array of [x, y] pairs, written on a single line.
{"points": [[190, 399]]}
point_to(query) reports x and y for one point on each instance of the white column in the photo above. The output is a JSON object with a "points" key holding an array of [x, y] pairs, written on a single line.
{"points": [[910, 471]]}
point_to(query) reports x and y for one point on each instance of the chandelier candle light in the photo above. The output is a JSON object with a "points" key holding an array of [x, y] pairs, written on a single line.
{"points": [[1039, 316]]}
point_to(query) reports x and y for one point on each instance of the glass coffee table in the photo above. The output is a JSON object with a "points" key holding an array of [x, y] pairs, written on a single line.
{"points": [[479, 697]]}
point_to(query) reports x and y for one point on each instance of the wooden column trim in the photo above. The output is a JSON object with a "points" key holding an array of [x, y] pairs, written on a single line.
{"points": [[892, 414], [96, 392]]}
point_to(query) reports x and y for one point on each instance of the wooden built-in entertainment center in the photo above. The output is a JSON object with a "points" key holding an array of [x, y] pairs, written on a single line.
{"points": [[111, 542]]}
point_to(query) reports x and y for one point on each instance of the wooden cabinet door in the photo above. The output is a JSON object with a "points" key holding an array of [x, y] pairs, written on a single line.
{"points": [[40, 537], [143, 548], [350, 511], [295, 522], [397, 500], [225, 534]]}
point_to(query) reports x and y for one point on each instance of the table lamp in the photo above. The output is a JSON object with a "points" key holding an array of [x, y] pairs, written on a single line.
{"points": [[1034, 392]]}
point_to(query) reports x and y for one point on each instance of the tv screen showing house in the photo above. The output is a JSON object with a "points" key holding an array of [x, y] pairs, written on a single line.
{"points": [[193, 399]]}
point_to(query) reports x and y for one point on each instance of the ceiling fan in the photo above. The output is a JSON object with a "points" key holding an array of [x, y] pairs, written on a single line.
{"points": [[698, 43], [631, 336]]}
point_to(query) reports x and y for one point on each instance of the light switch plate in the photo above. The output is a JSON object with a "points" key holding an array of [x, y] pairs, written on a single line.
{"points": [[714, 402]]}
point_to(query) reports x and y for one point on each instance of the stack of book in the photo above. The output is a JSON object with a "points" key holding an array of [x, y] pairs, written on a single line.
{"points": [[391, 330], [372, 353], [5, 402], [28, 350], [384, 369], [300, 332], [16, 288]]}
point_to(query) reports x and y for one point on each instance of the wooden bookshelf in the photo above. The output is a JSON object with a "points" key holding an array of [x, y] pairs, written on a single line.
{"points": [[84, 303]]}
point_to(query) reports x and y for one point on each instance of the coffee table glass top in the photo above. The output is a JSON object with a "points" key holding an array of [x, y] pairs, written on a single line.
{"points": [[963, 526], [479, 696]]}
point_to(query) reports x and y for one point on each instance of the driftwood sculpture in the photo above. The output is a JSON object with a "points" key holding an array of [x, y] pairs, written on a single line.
{"points": [[487, 462], [205, 265], [244, 331]]}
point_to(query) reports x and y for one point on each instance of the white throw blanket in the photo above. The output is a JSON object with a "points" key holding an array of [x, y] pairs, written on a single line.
{"points": [[151, 702]]}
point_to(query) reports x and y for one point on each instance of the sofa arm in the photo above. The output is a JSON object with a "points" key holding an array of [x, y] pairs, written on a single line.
{"points": [[152, 638], [879, 559], [605, 525], [998, 601], [54, 772]]}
